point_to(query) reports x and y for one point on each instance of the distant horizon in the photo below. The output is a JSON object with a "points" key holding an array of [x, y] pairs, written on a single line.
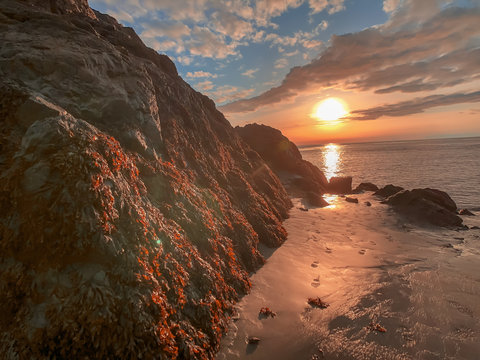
{"points": [[302, 146]]}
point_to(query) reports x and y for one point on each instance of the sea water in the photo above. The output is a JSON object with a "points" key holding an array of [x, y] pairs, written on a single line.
{"points": [[451, 165]]}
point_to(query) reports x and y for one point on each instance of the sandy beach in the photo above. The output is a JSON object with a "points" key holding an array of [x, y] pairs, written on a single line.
{"points": [[420, 284]]}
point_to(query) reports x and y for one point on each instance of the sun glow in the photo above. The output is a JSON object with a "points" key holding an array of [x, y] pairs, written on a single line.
{"points": [[330, 111]]}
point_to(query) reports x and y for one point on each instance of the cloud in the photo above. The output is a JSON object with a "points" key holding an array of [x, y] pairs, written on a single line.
{"points": [[390, 5], [249, 73], [178, 10], [165, 45], [322, 26], [310, 44], [414, 106], [208, 44], [281, 63], [281, 39], [333, 6], [443, 50], [229, 24], [170, 29], [185, 60], [267, 9], [214, 28], [228, 93], [200, 74], [205, 85]]}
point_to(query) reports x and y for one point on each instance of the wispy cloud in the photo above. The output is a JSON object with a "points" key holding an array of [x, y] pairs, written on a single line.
{"points": [[281, 63], [415, 106], [250, 73], [201, 74], [205, 85]]}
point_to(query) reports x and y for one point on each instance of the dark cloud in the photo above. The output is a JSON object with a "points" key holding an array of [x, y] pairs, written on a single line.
{"points": [[414, 106], [440, 52]]}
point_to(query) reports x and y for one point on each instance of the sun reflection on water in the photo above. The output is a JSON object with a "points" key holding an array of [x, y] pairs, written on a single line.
{"points": [[331, 160], [331, 157]]}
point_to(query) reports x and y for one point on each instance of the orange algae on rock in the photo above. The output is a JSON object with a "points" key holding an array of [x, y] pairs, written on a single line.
{"points": [[131, 211]]}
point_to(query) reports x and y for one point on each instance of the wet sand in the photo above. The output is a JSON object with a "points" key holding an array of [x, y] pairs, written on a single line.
{"points": [[421, 284]]}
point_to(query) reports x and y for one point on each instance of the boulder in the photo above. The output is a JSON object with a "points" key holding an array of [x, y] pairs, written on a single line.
{"points": [[284, 158], [388, 190], [426, 206], [365, 186], [340, 185]]}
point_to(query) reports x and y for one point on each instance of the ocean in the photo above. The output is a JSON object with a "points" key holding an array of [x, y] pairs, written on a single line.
{"points": [[451, 165]]}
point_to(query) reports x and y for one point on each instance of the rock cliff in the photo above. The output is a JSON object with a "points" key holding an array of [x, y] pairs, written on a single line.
{"points": [[131, 210], [298, 175]]}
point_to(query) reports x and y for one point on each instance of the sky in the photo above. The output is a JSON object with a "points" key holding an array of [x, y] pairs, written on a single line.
{"points": [[403, 69]]}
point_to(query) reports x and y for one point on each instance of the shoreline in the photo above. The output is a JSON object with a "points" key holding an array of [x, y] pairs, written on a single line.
{"points": [[419, 283]]}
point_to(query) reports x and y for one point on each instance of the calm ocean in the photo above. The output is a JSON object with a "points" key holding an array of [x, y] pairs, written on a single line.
{"points": [[451, 165]]}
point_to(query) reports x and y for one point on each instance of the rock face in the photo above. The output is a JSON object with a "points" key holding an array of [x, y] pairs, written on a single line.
{"points": [[340, 185], [426, 205], [131, 210], [284, 158]]}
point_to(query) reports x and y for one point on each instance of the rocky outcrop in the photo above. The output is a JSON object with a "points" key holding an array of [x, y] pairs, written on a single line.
{"points": [[340, 185], [426, 205], [131, 209], [388, 190], [298, 175], [365, 186]]}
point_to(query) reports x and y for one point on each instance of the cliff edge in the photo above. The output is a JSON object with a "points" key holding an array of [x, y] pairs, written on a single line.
{"points": [[131, 209]]}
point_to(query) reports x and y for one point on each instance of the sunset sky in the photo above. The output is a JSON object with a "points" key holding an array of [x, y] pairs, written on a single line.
{"points": [[403, 69]]}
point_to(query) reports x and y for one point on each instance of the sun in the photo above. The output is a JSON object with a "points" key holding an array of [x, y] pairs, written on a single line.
{"points": [[330, 111]]}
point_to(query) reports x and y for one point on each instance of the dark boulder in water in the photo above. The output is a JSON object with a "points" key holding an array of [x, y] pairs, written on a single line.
{"points": [[426, 205], [340, 185], [131, 209], [284, 158], [388, 190], [365, 186]]}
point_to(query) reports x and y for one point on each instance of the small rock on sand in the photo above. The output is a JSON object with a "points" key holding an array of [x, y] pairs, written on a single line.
{"points": [[318, 303], [253, 340], [466, 212], [351, 200], [266, 312], [368, 203]]}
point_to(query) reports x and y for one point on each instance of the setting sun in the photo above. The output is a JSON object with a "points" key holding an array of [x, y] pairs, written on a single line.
{"points": [[330, 110]]}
